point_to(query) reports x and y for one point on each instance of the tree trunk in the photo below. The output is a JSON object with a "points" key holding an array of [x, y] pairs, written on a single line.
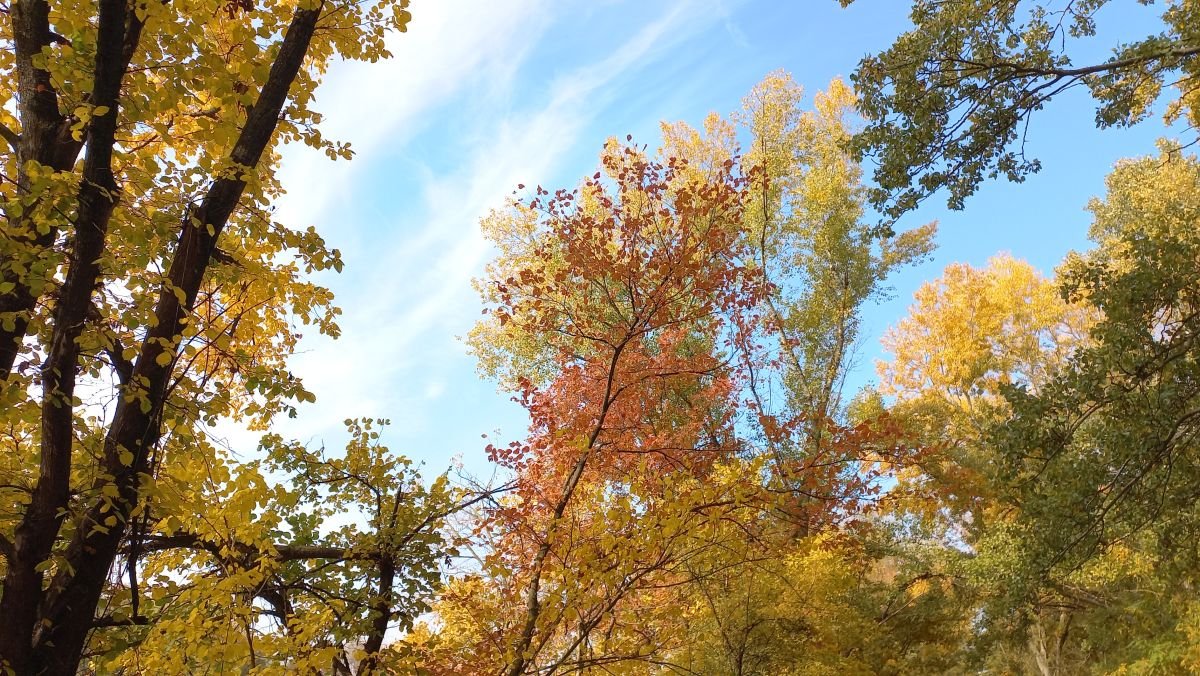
{"points": [[44, 632]]}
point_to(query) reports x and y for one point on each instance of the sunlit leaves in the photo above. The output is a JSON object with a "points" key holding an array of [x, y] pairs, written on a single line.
{"points": [[642, 320], [187, 336], [950, 103]]}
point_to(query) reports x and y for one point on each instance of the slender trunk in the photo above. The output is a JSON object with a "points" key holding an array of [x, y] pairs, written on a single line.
{"points": [[1039, 649], [45, 139], [533, 605], [382, 611]]}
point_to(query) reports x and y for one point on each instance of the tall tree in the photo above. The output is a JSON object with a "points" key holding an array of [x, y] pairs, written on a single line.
{"points": [[805, 230], [631, 292], [643, 320], [144, 288]]}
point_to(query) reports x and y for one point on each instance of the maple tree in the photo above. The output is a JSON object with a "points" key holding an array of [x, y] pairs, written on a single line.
{"points": [[637, 321], [649, 290]]}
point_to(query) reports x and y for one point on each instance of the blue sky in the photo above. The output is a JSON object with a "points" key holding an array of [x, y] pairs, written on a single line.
{"points": [[482, 95]]}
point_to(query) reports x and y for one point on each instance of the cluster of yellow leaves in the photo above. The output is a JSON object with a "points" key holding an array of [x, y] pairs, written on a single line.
{"points": [[967, 336], [195, 73], [977, 329]]}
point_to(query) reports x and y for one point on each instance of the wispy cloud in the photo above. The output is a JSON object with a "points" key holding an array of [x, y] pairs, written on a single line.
{"points": [[411, 293], [449, 45]]}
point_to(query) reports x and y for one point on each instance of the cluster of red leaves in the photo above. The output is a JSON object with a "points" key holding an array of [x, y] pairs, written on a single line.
{"points": [[638, 286], [647, 290], [637, 290]]}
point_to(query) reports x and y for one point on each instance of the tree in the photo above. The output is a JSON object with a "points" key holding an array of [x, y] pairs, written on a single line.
{"points": [[805, 229], [630, 294], [642, 323], [968, 337], [828, 604], [949, 103], [823, 262], [145, 290], [1101, 457]]}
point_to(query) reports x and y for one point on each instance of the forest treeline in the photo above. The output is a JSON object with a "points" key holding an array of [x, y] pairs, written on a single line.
{"points": [[700, 490]]}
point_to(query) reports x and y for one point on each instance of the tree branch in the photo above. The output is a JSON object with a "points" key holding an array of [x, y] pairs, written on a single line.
{"points": [[108, 621], [9, 135], [136, 430], [46, 138], [532, 602], [283, 552], [41, 141], [1115, 64]]}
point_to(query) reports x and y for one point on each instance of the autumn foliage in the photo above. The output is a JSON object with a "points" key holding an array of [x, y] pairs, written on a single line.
{"points": [[703, 486], [634, 320]]}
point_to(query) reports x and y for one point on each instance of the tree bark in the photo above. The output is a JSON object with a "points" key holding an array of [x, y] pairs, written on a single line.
{"points": [[36, 533], [46, 139], [382, 611], [45, 633]]}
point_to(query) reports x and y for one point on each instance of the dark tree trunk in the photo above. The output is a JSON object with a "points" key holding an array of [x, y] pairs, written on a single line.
{"points": [[44, 632]]}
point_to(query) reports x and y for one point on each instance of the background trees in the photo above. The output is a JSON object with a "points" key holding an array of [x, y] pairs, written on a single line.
{"points": [[1102, 457], [1066, 494], [1061, 413], [1014, 523], [699, 490]]}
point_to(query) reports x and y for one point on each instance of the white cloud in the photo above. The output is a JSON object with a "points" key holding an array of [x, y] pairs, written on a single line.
{"points": [[411, 291], [376, 104], [451, 249], [434, 389]]}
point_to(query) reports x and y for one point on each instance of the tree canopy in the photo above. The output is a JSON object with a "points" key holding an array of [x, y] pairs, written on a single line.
{"points": [[949, 104], [707, 484]]}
